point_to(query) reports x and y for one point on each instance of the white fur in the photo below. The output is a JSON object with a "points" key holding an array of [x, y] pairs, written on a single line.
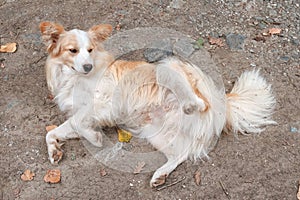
{"points": [[252, 107], [156, 102]]}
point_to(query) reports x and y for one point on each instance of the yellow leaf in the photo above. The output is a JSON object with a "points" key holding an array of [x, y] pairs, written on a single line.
{"points": [[8, 48], [124, 136]]}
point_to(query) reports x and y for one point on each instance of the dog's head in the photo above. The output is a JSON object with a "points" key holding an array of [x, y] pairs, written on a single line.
{"points": [[75, 49]]}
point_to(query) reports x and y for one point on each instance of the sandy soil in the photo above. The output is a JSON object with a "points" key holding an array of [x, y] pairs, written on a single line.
{"points": [[264, 166]]}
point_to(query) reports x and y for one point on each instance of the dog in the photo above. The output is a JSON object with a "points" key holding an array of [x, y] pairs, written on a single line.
{"points": [[173, 104]]}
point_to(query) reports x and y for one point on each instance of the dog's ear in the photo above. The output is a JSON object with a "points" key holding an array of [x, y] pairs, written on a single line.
{"points": [[100, 32], [50, 34]]}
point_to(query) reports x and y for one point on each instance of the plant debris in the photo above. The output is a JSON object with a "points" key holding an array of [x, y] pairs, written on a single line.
{"points": [[8, 48], [274, 31], [103, 172], [216, 41], [52, 176], [27, 175], [197, 177], [171, 184], [139, 167]]}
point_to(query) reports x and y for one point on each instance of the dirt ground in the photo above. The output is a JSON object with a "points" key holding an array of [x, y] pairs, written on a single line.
{"points": [[264, 166]]}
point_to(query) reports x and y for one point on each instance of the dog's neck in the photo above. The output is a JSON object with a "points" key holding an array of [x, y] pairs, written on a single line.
{"points": [[63, 81]]}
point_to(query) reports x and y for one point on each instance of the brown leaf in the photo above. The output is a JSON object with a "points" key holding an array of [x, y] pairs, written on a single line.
{"points": [[103, 172], [52, 176], [197, 177], [216, 41], [51, 127], [27, 175], [274, 31], [8, 48], [139, 167]]}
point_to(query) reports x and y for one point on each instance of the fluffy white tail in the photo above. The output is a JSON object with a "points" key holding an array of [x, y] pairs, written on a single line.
{"points": [[250, 104]]}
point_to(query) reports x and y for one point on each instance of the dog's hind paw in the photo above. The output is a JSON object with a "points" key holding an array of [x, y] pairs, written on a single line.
{"points": [[193, 106], [158, 181]]}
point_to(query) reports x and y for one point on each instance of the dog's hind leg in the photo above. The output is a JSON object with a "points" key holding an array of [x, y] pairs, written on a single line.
{"points": [[170, 75], [55, 138], [175, 149]]}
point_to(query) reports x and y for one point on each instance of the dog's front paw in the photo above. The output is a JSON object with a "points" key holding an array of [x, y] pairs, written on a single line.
{"points": [[55, 153], [54, 148], [157, 181]]}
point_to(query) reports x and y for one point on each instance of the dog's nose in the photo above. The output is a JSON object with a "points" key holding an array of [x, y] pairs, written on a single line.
{"points": [[87, 67]]}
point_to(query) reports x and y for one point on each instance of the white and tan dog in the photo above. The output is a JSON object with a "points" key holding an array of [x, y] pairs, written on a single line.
{"points": [[172, 104]]}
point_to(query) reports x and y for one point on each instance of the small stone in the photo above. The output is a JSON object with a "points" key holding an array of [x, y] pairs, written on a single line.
{"points": [[252, 64], [184, 48], [293, 129], [273, 13], [284, 58], [235, 41], [262, 25], [295, 41]]}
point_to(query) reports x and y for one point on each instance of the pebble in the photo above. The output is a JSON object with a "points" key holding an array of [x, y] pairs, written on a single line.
{"points": [[295, 41], [293, 129], [284, 58], [235, 41], [262, 25]]}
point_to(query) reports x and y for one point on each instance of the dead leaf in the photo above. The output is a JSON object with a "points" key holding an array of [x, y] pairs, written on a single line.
{"points": [[52, 176], [274, 31], [27, 175], [216, 41], [8, 48], [197, 177], [50, 127], [103, 172], [139, 167], [17, 192]]}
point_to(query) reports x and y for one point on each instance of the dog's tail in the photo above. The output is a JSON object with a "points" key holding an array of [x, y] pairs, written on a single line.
{"points": [[250, 104]]}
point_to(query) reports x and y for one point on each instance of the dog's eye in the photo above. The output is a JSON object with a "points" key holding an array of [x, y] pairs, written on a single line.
{"points": [[73, 50], [90, 50]]}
